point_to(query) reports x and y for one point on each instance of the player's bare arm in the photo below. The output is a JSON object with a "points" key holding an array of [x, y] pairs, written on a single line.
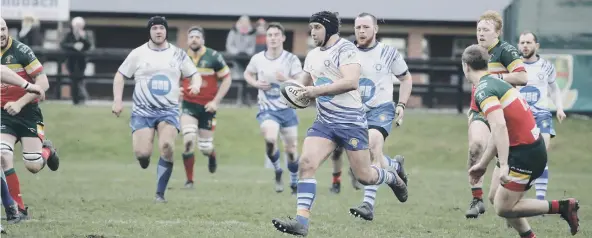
{"points": [[557, 100], [349, 82], [118, 83], [196, 82], [519, 78], [14, 108], [304, 78], [405, 88], [10, 77], [222, 91], [252, 80]]}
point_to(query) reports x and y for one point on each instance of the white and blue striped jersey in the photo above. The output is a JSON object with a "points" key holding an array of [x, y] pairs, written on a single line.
{"points": [[536, 92], [157, 74], [323, 66], [266, 69], [379, 65]]}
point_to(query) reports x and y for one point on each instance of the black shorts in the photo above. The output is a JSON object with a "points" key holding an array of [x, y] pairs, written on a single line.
{"points": [[527, 163]]}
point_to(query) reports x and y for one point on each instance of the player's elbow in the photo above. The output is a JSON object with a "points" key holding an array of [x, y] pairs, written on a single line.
{"points": [[353, 84]]}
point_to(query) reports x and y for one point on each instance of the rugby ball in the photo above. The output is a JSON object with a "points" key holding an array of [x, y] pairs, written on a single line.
{"points": [[291, 95]]}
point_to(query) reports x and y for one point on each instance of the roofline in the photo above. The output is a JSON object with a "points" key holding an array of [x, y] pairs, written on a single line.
{"points": [[267, 18]]}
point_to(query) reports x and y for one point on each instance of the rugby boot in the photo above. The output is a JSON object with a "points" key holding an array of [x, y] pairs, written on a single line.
{"points": [[188, 184], [401, 171], [476, 208], [279, 183], [294, 188], [159, 198], [335, 187], [53, 162], [24, 213], [290, 226], [212, 165], [12, 214], [399, 188], [355, 183], [364, 211], [569, 213]]}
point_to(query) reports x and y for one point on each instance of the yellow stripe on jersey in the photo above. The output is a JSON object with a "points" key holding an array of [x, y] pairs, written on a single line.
{"points": [[15, 67], [205, 71], [489, 104], [34, 68], [515, 64], [223, 72], [496, 68], [509, 97]]}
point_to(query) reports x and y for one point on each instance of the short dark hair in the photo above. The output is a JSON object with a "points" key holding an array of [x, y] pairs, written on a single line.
{"points": [[476, 57], [365, 14], [536, 39], [276, 25]]}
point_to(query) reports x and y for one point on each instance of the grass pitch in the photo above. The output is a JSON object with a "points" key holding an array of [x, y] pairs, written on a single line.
{"points": [[101, 190]]}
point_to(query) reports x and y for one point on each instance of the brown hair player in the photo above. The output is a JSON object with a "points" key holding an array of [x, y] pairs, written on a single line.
{"points": [[521, 151], [506, 64], [198, 116], [21, 116]]}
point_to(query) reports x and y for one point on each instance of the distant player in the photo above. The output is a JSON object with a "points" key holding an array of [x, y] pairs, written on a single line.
{"points": [[334, 67], [21, 116], [156, 66], [379, 64], [541, 80], [198, 116], [273, 66], [506, 64], [10, 207], [522, 156]]}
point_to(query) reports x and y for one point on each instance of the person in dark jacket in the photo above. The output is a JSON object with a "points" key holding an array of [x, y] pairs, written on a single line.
{"points": [[30, 33], [76, 43]]}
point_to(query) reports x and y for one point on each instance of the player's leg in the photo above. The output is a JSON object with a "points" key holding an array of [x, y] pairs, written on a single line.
{"points": [[270, 128], [478, 136], [547, 132], [10, 207], [205, 141], [495, 182], [317, 146], [167, 128], [289, 136], [142, 139], [526, 164], [337, 163], [189, 130]]}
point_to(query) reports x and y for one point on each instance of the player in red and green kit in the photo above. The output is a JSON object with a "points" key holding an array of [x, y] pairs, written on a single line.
{"points": [[21, 116], [505, 63], [198, 118], [521, 151]]}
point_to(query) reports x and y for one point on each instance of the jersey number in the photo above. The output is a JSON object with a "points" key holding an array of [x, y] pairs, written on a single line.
{"points": [[366, 91]]}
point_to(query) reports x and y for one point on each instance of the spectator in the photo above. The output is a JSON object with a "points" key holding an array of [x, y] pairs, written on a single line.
{"points": [[241, 38], [261, 34], [30, 33], [76, 43]]}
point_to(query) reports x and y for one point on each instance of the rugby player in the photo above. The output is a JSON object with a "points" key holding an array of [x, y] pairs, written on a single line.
{"points": [[21, 115], [198, 116], [541, 81], [157, 67], [521, 152], [271, 67], [379, 63], [335, 68], [506, 64]]}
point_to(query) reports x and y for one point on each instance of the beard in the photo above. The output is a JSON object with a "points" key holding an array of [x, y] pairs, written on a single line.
{"points": [[528, 55]]}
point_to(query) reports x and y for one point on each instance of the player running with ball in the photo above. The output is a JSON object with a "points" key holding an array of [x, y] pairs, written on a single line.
{"points": [[541, 79], [198, 118], [157, 66], [521, 152], [379, 63], [273, 66], [506, 63], [22, 119], [334, 66]]}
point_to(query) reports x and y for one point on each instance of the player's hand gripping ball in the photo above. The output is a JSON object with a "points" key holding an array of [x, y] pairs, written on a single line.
{"points": [[291, 95]]}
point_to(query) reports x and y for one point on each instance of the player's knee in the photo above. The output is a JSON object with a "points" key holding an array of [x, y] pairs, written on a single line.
{"points": [[290, 147], [166, 148], [206, 145], [269, 148], [189, 145], [491, 198], [34, 162], [6, 152], [504, 211], [364, 177], [306, 167], [475, 150]]}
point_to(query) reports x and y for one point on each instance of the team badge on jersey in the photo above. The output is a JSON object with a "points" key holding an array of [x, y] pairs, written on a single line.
{"points": [[354, 142]]}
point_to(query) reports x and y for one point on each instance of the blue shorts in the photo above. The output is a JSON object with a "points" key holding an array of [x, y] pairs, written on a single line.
{"points": [[381, 118], [285, 117], [139, 122], [545, 124], [350, 138]]}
